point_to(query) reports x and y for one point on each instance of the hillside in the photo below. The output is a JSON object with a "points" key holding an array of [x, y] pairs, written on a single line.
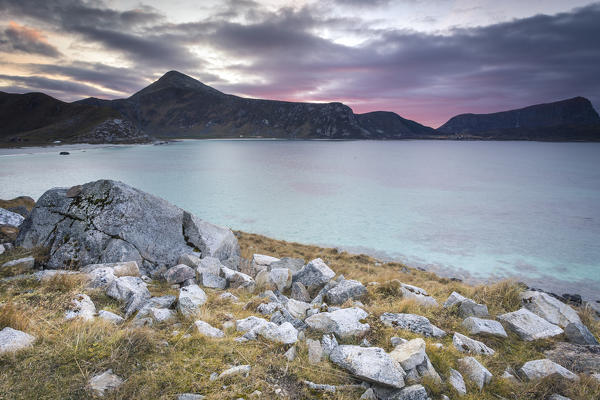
{"points": [[179, 106], [38, 119], [569, 120]]}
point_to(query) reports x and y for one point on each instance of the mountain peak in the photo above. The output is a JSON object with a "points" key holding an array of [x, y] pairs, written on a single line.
{"points": [[177, 80]]}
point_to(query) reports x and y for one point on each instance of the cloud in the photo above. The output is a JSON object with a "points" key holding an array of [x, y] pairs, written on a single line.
{"points": [[27, 40], [300, 54]]}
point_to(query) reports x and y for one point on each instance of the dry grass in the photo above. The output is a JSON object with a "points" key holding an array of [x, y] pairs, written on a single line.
{"points": [[158, 365]]}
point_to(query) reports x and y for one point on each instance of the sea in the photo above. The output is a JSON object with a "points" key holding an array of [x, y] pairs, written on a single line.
{"points": [[474, 210]]}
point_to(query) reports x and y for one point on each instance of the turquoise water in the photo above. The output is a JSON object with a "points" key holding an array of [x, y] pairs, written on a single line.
{"points": [[476, 210]]}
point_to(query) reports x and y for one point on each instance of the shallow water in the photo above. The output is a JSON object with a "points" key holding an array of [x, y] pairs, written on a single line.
{"points": [[475, 210]]}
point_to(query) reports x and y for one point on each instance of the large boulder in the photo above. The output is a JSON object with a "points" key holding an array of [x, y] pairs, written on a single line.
{"points": [[412, 322], [549, 308], [371, 364], [529, 326], [110, 221], [345, 323], [539, 369]]}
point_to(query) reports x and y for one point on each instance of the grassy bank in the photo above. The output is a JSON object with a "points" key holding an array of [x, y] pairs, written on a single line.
{"points": [[157, 363]]}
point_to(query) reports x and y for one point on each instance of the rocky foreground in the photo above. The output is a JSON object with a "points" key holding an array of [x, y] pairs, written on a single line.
{"points": [[110, 292]]}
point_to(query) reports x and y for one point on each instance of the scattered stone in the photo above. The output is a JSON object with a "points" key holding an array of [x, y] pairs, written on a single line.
{"points": [[283, 315], [549, 308], [179, 274], [261, 262], [414, 323], [111, 317], [409, 354], [10, 218], [190, 259], [206, 329], [209, 265], [190, 396], [240, 370], [268, 308], [161, 314], [466, 306], [14, 340], [575, 357], [474, 371], [228, 297], [212, 281], [489, 327], [417, 294], [539, 369], [81, 307], [128, 225], [290, 354], [345, 290], [246, 324], [509, 375], [293, 264], [105, 382], [457, 382], [314, 275], [369, 394], [372, 364], [467, 345], [395, 340], [284, 333], [26, 262], [238, 279], [320, 387], [297, 308], [191, 298], [413, 392], [300, 293], [126, 287], [344, 323], [558, 397], [101, 277], [578, 333], [529, 326], [315, 351], [275, 279], [46, 274], [328, 342]]}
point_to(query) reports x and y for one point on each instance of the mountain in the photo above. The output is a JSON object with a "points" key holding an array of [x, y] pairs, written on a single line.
{"points": [[38, 119], [567, 120], [179, 106]]}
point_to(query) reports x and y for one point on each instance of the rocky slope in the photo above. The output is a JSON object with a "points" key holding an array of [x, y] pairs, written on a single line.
{"points": [[267, 324], [179, 106], [37, 119], [572, 119]]}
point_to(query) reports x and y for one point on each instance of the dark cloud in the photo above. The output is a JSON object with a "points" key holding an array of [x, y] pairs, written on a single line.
{"points": [[27, 40], [55, 87], [286, 54]]}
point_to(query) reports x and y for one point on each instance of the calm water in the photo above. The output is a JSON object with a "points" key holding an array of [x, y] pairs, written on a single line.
{"points": [[472, 209]]}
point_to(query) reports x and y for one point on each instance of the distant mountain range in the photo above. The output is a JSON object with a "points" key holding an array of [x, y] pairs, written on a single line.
{"points": [[178, 106]]}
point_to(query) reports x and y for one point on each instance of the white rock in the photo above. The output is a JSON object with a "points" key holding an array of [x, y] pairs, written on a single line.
{"points": [[179, 274], [26, 262], [329, 343], [314, 275], [189, 259], [81, 307], [371, 364], [290, 354], [190, 396], [467, 345], [466, 306], [14, 340], [297, 308], [125, 268], [558, 397], [417, 294], [345, 290], [478, 326], [246, 324], [212, 281], [409, 354], [228, 297], [315, 351], [457, 382], [261, 261], [206, 329], [412, 322], [369, 394], [209, 265], [125, 287], [539, 369], [10, 218], [162, 314], [191, 298], [284, 333], [240, 370], [320, 387], [474, 371], [344, 323], [110, 316], [529, 326], [104, 382], [101, 277], [549, 308], [238, 279]]}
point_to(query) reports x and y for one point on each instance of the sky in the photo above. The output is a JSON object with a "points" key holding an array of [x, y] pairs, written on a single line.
{"points": [[426, 60]]}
